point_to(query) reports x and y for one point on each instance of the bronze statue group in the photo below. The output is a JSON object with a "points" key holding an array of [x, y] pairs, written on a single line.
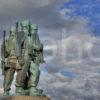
{"points": [[22, 52]]}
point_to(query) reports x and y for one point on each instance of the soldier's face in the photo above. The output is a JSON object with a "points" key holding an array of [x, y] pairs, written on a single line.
{"points": [[12, 34], [25, 29], [12, 37], [34, 31]]}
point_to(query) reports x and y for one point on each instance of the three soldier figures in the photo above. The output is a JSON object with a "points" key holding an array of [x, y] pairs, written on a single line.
{"points": [[22, 52]]}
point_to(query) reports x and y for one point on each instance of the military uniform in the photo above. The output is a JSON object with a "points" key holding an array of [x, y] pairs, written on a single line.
{"points": [[11, 63], [32, 52]]}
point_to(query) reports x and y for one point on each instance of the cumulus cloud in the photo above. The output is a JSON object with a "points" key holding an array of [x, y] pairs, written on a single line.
{"points": [[60, 87], [72, 70], [68, 48], [42, 12]]}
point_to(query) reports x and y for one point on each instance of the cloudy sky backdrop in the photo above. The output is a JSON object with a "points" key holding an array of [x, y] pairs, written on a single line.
{"points": [[69, 30]]}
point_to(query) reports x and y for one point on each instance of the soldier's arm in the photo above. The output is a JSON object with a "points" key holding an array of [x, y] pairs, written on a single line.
{"points": [[39, 50], [37, 45], [7, 49]]}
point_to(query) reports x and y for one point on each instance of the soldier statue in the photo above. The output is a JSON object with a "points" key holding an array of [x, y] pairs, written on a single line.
{"points": [[31, 49], [11, 64], [22, 52]]}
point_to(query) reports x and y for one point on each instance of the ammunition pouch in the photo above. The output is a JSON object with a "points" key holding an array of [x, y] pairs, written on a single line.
{"points": [[21, 60], [37, 56]]}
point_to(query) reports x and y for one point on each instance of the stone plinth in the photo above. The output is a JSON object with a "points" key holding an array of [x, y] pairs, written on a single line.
{"points": [[26, 98]]}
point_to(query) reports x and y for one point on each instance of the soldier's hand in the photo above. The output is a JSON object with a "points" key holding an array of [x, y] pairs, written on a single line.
{"points": [[21, 61]]}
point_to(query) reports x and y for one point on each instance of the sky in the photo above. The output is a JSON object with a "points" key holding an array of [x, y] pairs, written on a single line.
{"points": [[88, 9], [69, 30]]}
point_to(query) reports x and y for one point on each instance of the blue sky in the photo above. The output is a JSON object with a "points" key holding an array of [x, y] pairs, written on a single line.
{"points": [[86, 8], [69, 74]]}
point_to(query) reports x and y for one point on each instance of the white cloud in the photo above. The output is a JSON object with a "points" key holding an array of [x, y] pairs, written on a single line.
{"points": [[87, 70]]}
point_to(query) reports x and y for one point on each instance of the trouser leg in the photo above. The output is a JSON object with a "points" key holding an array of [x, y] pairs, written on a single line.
{"points": [[34, 74], [18, 78], [26, 81], [34, 78], [19, 86], [25, 84], [8, 78]]}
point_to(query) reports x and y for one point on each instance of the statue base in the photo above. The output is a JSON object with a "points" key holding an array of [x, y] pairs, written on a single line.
{"points": [[26, 98]]}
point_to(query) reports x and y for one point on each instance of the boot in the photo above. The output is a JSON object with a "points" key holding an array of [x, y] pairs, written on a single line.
{"points": [[19, 91], [6, 94], [36, 92]]}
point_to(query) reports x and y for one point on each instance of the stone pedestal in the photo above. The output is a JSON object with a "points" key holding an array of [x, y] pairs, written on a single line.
{"points": [[26, 98]]}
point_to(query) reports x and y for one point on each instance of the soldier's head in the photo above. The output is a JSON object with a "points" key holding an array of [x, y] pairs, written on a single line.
{"points": [[25, 25], [13, 31], [34, 28]]}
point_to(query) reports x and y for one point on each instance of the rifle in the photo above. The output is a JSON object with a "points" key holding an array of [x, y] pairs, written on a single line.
{"points": [[27, 60], [17, 27], [3, 58]]}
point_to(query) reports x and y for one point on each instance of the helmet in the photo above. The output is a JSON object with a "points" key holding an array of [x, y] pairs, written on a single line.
{"points": [[13, 31], [34, 27], [24, 23]]}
